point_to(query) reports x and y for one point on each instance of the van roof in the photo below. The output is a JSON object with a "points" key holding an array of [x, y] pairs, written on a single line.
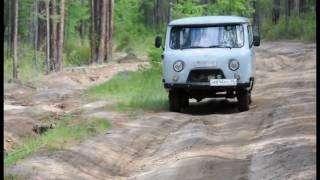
{"points": [[201, 20]]}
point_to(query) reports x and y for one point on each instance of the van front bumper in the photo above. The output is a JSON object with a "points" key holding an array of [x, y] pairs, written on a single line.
{"points": [[206, 86]]}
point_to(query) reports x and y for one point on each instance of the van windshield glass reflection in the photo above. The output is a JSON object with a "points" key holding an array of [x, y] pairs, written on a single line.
{"points": [[224, 36]]}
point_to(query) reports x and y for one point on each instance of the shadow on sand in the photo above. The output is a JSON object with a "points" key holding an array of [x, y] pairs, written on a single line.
{"points": [[212, 106]]}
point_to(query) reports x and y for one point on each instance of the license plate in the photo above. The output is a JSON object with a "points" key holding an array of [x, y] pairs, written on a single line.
{"points": [[223, 82]]}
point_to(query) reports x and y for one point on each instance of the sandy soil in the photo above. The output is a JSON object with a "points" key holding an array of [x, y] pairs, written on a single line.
{"points": [[276, 139]]}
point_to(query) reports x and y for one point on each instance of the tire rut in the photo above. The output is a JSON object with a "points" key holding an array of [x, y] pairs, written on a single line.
{"points": [[275, 139]]}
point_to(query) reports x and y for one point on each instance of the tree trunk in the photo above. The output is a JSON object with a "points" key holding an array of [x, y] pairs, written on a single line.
{"points": [[287, 13], [110, 30], [61, 37], [97, 17], [9, 27], [302, 6], [81, 31], [296, 7], [53, 35], [42, 24], [36, 33], [48, 37], [102, 37], [170, 11], [15, 42], [107, 29], [13, 18], [256, 18], [276, 11], [93, 31]]}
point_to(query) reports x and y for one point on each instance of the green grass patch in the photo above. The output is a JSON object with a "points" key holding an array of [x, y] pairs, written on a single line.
{"points": [[142, 90], [68, 131], [10, 177], [30, 64]]}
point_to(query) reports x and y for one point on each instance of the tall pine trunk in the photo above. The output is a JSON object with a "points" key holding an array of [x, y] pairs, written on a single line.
{"points": [[97, 18], [53, 35], [110, 45], [276, 11], [287, 13], [15, 42], [9, 28], [93, 31], [61, 37], [170, 11], [13, 18], [36, 32], [48, 37], [101, 53], [109, 29]]}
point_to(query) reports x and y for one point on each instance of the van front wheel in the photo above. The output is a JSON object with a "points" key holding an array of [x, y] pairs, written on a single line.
{"points": [[174, 101], [243, 100]]}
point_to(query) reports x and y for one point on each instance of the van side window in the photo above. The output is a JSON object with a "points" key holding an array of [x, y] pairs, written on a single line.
{"points": [[250, 36]]}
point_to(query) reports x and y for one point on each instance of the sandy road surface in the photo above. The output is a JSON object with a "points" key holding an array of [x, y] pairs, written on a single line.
{"points": [[276, 139]]}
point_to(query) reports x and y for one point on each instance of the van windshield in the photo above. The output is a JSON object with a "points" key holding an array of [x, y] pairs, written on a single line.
{"points": [[221, 36]]}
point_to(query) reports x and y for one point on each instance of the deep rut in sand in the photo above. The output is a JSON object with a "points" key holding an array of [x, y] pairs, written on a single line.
{"points": [[275, 139]]}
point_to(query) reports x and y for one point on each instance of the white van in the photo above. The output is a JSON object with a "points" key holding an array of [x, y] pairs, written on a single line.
{"points": [[208, 57]]}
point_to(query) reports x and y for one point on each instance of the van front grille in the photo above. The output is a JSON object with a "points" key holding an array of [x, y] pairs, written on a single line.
{"points": [[204, 75]]}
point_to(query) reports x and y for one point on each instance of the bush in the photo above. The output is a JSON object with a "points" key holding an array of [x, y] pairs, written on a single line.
{"points": [[299, 28], [77, 52], [28, 69], [142, 89]]}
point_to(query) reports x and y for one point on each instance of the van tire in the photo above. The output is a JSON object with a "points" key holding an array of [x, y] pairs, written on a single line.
{"points": [[243, 100], [184, 99], [174, 101]]}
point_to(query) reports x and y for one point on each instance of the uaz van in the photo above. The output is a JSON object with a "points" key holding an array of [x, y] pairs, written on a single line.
{"points": [[209, 57]]}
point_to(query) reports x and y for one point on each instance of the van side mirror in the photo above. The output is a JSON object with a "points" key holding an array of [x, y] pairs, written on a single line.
{"points": [[256, 40], [158, 42]]}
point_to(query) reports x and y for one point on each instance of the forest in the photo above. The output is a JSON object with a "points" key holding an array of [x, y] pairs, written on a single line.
{"points": [[86, 94], [44, 36]]}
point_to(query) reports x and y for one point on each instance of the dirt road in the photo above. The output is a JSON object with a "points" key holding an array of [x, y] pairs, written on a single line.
{"points": [[276, 139]]}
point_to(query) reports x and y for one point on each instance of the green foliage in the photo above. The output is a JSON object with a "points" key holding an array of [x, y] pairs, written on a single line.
{"points": [[231, 7], [10, 177], [219, 7], [188, 8], [27, 70], [66, 132], [155, 57], [77, 51], [76, 11], [129, 31], [25, 13], [301, 28], [134, 90]]}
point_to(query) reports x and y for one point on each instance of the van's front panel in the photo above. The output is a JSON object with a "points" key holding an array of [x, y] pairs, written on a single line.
{"points": [[207, 51]]}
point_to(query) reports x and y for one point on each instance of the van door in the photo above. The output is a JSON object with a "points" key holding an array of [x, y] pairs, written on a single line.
{"points": [[251, 47]]}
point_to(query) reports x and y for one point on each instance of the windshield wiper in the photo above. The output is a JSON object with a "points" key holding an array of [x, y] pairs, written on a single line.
{"points": [[195, 47], [213, 46], [224, 46]]}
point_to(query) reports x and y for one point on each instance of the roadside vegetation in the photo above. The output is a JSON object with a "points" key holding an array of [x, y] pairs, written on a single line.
{"points": [[135, 23], [69, 130], [142, 89]]}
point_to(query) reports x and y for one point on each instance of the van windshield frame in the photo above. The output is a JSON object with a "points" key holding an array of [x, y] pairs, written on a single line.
{"points": [[207, 36]]}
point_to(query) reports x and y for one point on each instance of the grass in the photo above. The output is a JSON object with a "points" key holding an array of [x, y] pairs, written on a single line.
{"points": [[69, 130], [300, 28], [142, 90], [10, 177], [26, 64]]}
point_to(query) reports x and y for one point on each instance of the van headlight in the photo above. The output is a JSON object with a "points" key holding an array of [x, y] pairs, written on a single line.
{"points": [[178, 66], [234, 64]]}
